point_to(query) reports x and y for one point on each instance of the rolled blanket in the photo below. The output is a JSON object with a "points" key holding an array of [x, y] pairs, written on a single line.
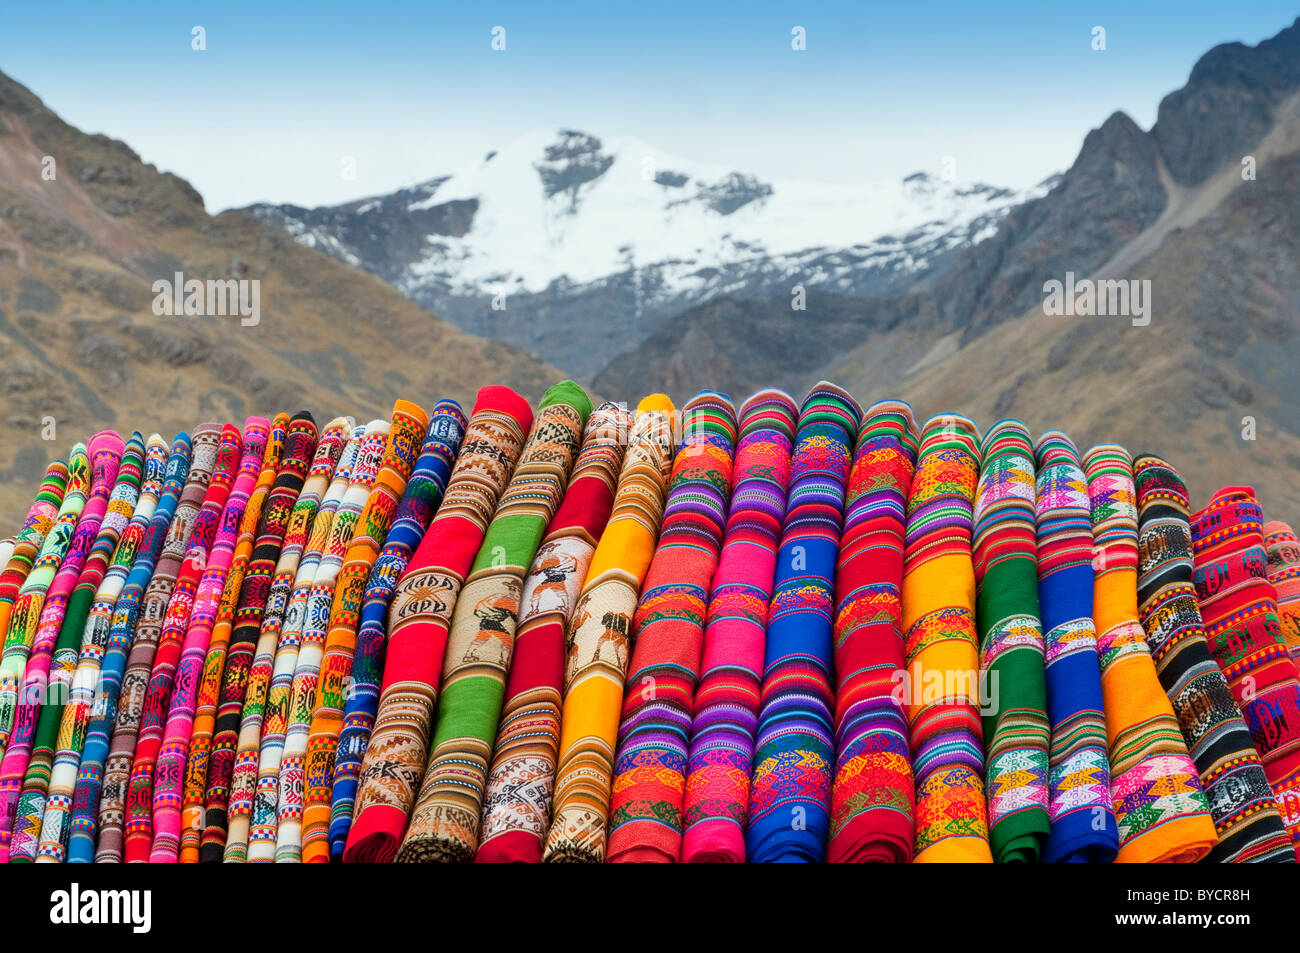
{"points": [[517, 804], [214, 662], [873, 800], [51, 698], [406, 431], [645, 820], [24, 620], [444, 823], [726, 701], [80, 835], [1160, 809], [943, 646], [105, 454], [1016, 731], [26, 543], [208, 774], [1239, 606], [170, 770], [420, 617], [1250, 828], [1078, 793], [1284, 574], [794, 758], [255, 815], [227, 835], [420, 501], [138, 834], [147, 622], [598, 643], [315, 629], [75, 715]]}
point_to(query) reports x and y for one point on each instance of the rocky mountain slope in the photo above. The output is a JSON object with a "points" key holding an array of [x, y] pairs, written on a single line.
{"points": [[85, 230], [1172, 206]]}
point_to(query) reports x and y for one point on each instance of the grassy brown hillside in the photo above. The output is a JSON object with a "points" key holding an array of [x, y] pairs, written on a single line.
{"points": [[79, 341]]}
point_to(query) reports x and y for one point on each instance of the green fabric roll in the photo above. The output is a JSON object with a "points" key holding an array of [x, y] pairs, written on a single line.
{"points": [[31, 597], [444, 825], [1013, 692]]}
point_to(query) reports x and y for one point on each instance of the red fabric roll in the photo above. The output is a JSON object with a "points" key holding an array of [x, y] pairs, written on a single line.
{"points": [[419, 619]]}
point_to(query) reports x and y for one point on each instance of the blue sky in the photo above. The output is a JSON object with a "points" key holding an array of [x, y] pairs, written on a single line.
{"points": [[414, 89]]}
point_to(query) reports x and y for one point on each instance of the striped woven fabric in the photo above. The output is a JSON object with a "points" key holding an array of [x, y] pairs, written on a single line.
{"points": [[170, 771], [1079, 803], [138, 828], [254, 816], [28, 540], [80, 835], [725, 715], [1245, 813], [603, 618], [290, 789], [1239, 606], [444, 823], [794, 756], [24, 617], [115, 769], [214, 662], [1284, 574], [1016, 731], [420, 618], [50, 699], [1160, 808], [873, 798], [406, 433], [74, 716], [24, 620], [420, 501], [228, 829], [943, 646], [645, 821], [105, 453], [517, 802]]}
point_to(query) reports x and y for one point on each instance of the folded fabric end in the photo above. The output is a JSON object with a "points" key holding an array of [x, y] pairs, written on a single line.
{"points": [[655, 402], [1183, 841], [1022, 849], [513, 847], [434, 850], [1087, 849], [568, 392], [873, 839], [376, 835], [642, 854]]}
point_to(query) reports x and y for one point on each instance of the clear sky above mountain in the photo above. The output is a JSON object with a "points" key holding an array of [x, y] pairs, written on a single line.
{"points": [[326, 102]]}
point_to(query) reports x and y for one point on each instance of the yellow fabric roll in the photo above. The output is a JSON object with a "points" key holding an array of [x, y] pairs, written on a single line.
{"points": [[942, 645], [1161, 811], [598, 639]]}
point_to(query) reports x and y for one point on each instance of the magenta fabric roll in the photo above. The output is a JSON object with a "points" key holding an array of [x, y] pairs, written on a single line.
{"points": [[169, 778], [105, 453], [726, 699]]}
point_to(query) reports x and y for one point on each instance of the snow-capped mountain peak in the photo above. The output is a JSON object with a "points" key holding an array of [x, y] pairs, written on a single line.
{"points": [[565, 214]]}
